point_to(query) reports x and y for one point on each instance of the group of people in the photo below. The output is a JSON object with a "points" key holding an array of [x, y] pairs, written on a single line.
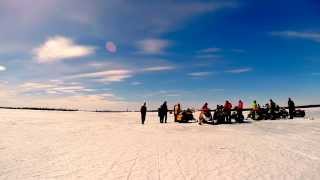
{"points": [[271, 108], [226, 108], [162, 112]]}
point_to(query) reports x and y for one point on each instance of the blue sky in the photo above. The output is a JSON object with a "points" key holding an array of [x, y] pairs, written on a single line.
{"points": [[115, 54]]}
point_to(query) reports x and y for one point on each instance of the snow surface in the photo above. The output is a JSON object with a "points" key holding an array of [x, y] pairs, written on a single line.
{"points": [[86, 145]]}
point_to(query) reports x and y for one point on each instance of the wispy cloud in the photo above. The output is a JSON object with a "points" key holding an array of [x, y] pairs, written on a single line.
{"points": [[210, 50], [316, 74], [208, 53], [200, 74], [136, 83], [208, 56], [313, 36], [59, 48], [238, 71], [158, 68], [106, 76], [52, 87], [153, 46]]}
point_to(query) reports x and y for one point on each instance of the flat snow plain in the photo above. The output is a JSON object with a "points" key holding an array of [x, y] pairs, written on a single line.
{"points": [[87, 145]]}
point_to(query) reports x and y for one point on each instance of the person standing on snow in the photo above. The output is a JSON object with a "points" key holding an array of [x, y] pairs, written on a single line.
{"points": [[227, 110], [272, 109], [160, 114], [240, 107], [254, 109], [143, 111], [176, 111], [291, 107], [165, 111]]}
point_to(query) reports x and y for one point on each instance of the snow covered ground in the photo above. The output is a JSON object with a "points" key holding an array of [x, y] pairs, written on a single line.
{"points": [[85, 145]]}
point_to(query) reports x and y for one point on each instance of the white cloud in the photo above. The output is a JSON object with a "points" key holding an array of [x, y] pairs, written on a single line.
{"points": [[107, 76], [34, 86], [238, 71], [199, 74], [208, 56], [136, 83], [210, 50], [153, 46], [118, 75], [53, 87], [59, 48], [209, 53], [3, 68], [313, 36], [158, 68]]}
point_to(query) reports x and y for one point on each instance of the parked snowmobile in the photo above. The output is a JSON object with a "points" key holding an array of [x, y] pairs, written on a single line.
{"points": [[206, 118], [299, 113], [283, 113], [237, 116], [219, 115], [185, 116], [265, 114]]}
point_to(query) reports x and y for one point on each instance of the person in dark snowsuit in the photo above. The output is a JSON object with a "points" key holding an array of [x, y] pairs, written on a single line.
{"points": [[160, 114], [143, 111], [165, 111], [272, 109], [291, 107]]}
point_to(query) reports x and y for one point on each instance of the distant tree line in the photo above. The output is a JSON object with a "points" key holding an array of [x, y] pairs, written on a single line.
{"points": [[40, 108]]}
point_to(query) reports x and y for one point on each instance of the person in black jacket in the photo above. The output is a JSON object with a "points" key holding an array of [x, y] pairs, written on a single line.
{"points": [[160, 114], [143, 111], [165, 111], [272, 107], [291, 107]]}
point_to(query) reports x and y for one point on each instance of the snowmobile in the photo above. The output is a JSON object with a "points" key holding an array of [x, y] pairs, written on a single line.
{"points": [[185, 116], [283, 113], [219, 115], [279, 113], [265, 114], [206, 118], [237, 115], [299, 113], [259, 114]]}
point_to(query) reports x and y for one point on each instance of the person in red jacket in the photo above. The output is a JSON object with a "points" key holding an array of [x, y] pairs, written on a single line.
{"points": [[239, 116], [227, 110], [240, 105], [205, 108]]}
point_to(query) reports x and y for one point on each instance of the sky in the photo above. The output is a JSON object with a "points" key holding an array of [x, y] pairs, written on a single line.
{"points": [[116, 54]]}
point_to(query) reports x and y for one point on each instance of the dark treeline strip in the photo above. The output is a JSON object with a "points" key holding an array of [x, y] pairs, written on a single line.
{"points": [[40, 108]]}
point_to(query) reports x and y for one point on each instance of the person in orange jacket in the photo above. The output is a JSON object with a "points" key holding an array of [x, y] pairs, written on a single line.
{"points": [[227, 110]]}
